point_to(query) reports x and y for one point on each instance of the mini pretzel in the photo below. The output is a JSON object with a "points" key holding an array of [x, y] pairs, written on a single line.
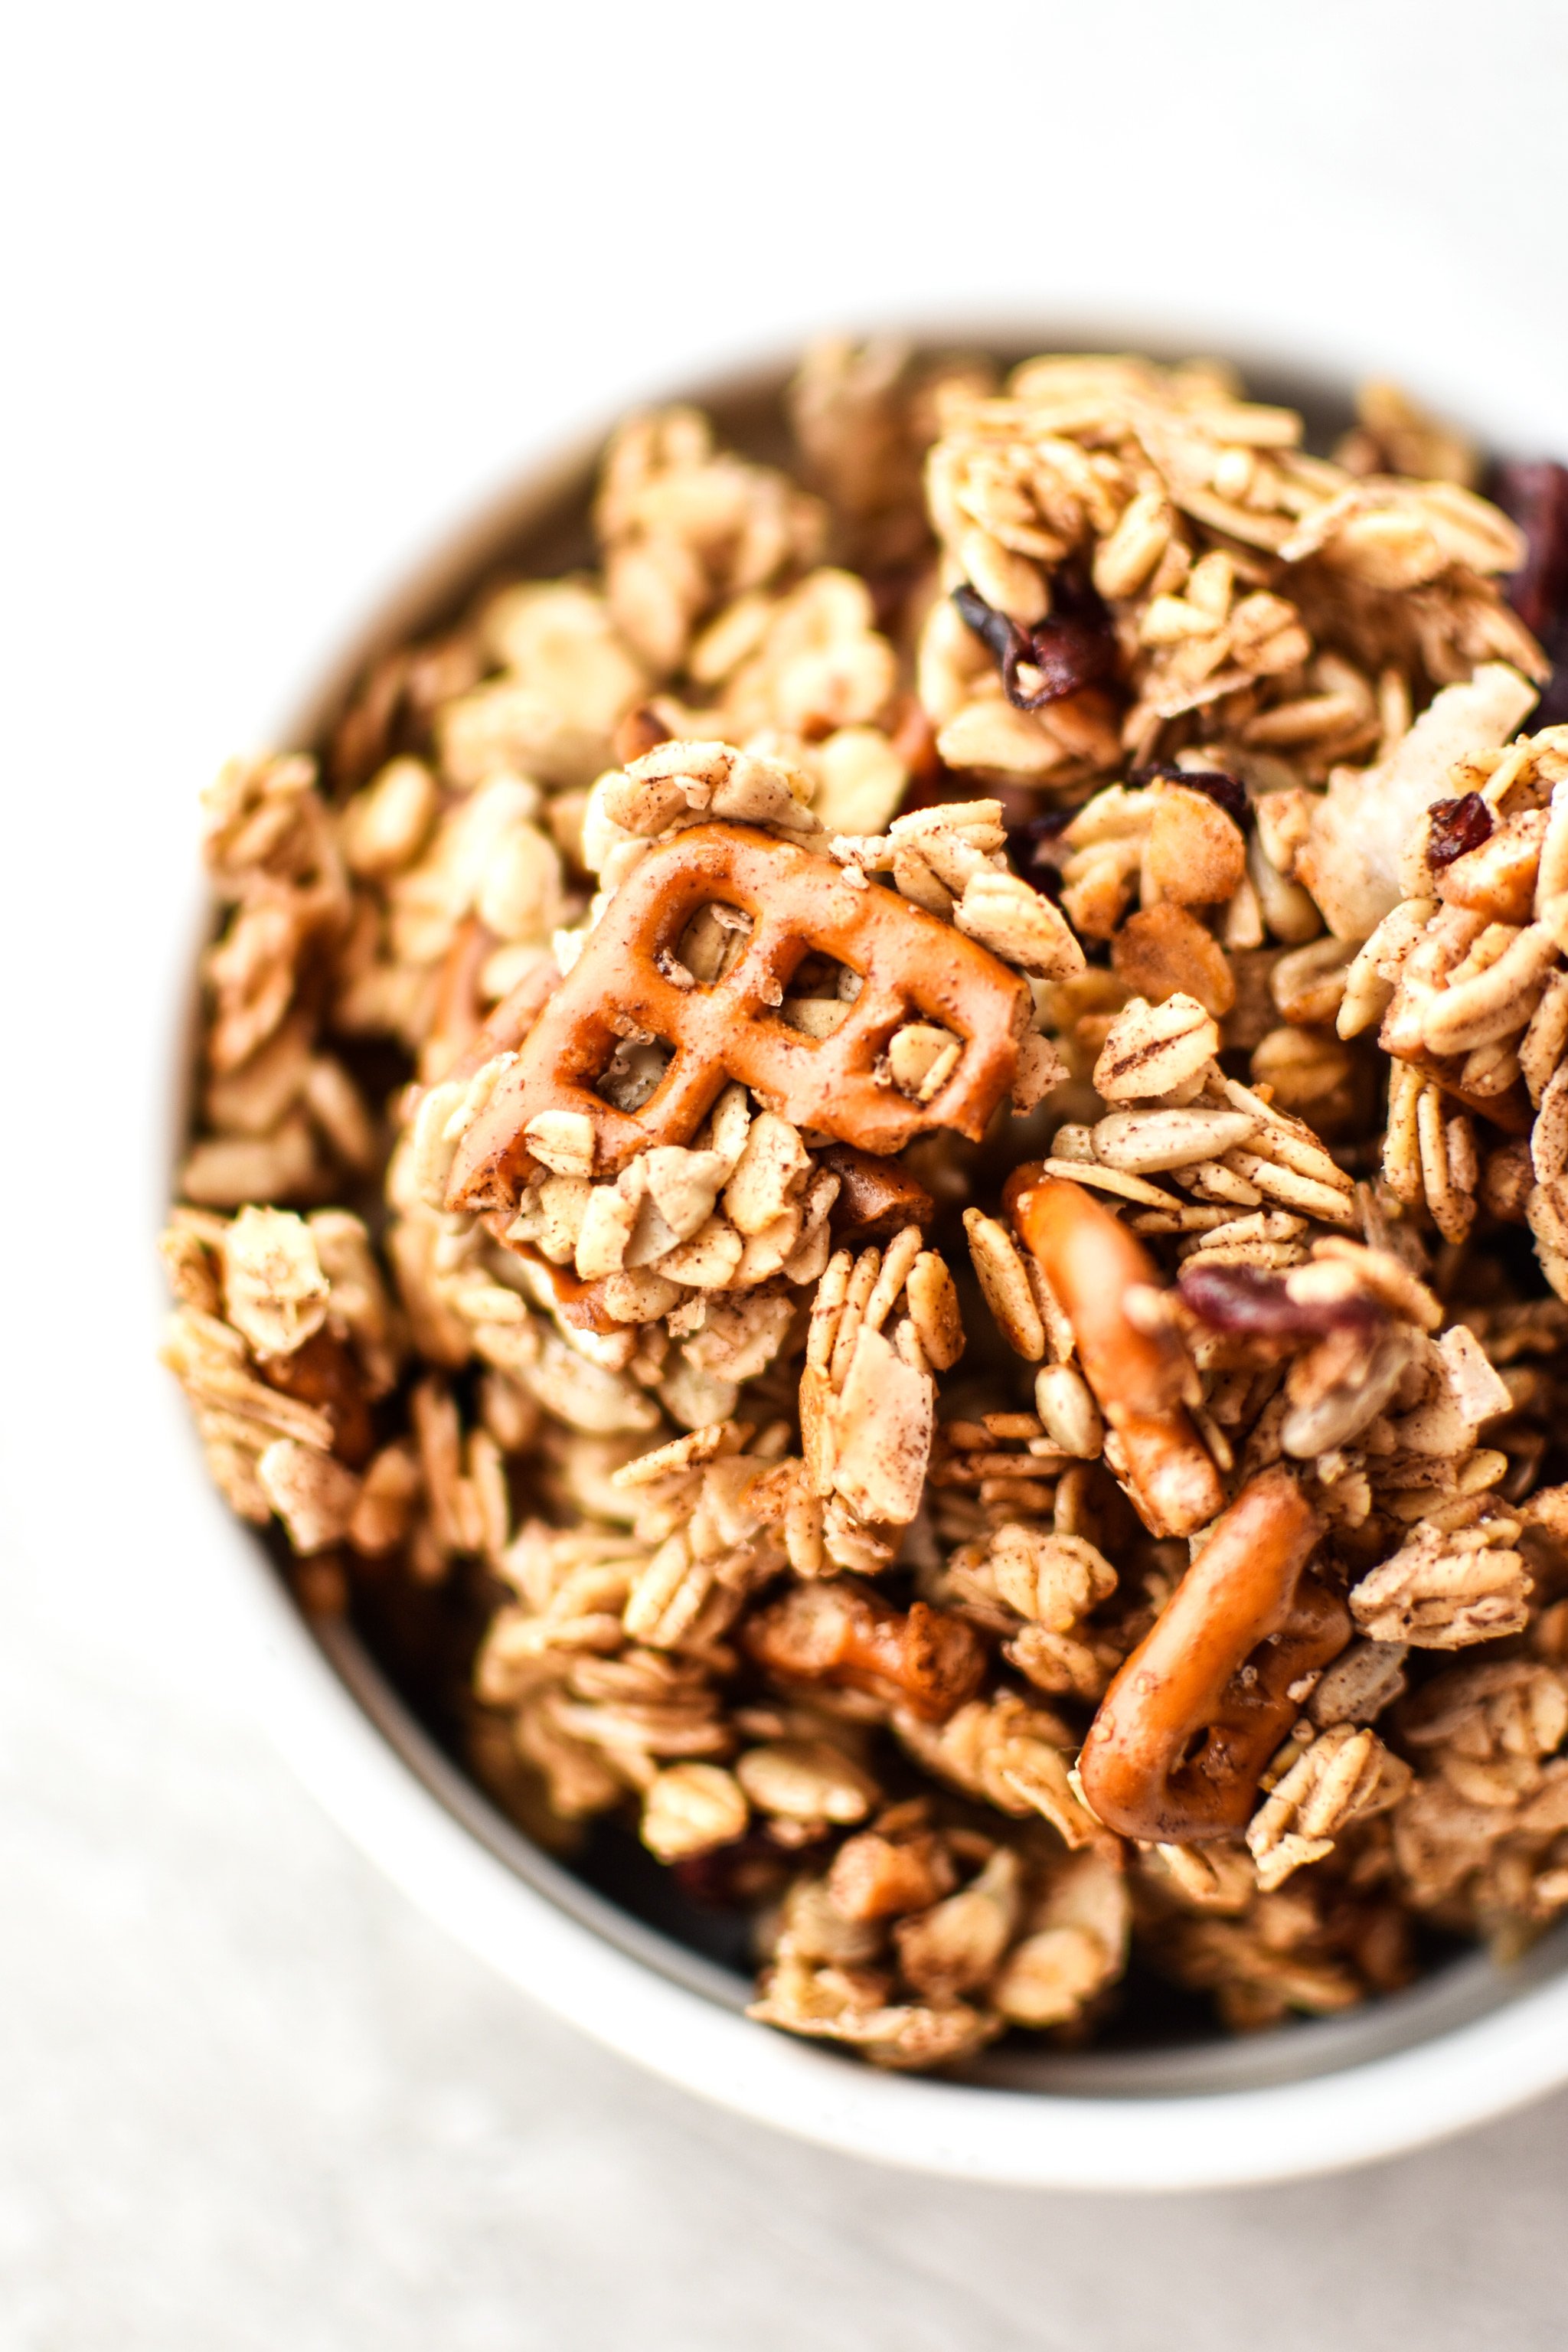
{"points": [[1091, 1262], [1244, 1624], [511, 1019], [908, 963], [920, 1658]]}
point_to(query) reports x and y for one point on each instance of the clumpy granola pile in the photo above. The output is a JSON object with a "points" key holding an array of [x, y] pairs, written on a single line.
{"points": [[713, 1400]]}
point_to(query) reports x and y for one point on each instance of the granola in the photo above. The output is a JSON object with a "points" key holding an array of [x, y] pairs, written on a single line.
{"points": [[884, 1185]]}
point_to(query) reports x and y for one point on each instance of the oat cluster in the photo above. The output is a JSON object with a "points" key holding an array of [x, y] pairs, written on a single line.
{"points": [[950, 1071]]}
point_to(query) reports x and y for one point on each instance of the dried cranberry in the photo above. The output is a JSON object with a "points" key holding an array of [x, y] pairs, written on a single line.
{"points": [[1032, 848], [1074, 647], [734, 1877], [1228, 791], [996, 633], [1068, 655], [1239, 1298], [1456, 826], [1536, 496]]}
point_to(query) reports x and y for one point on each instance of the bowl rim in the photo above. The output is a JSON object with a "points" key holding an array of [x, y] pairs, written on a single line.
{"points": [[430, 1829]]}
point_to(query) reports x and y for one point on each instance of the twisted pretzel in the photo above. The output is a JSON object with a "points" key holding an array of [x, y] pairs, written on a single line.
{"points": [[908, 963], [1091, 1262], [1244, 1624]]}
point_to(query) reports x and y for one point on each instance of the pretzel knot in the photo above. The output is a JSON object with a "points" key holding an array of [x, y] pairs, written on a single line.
{"points": [[1244, 1624], [908, 963]]}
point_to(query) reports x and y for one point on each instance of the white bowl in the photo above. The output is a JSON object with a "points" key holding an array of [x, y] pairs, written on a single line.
{"points": [[1463, 2045]]}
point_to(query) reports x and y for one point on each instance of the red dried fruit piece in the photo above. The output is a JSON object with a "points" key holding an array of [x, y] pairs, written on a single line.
{"points": [[1239, 1298], [1536, 496], [751, 1870], [1031, 849], [1456, 827], [1074, 647], [1228, 791]]}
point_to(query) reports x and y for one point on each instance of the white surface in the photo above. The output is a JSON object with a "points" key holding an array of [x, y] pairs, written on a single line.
{"points": [[253, 2104], [285, 290]]}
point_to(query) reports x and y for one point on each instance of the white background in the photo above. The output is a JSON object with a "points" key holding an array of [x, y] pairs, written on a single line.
{"points": [[285, 291]]}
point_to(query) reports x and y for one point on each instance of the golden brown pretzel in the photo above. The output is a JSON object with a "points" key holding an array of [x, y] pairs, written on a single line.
{"points": [[877, 1198], [1243, 1624], [1091, 1262], [510, 1020], [832, 1633], [908, 963]]}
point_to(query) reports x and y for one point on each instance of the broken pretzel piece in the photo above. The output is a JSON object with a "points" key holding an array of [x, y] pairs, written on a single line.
{"points": [[920, 1658], [628, 977], [1091, 1262], [877, 1198], [1244, 1625]]}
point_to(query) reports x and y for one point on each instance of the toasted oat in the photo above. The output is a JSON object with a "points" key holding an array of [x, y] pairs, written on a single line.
{"points": [[1068, 1412], [1151, 1050], [1054, 1580], [1146, 1142], [689, 1809], [843, 2005], [608, 1218], [934, 1310], [953, 1947], [772, 1168], [1163, 951], [1075, 1946], [274, 1290], [312, 1494], [1195, 854], [877, 1875], [1016, 923], [563, 1140], [1342, 1776], [1009, 1753], [1444, 1590], [883, 1419], [1228, 719], [1005, 1282], [805, 1780]]}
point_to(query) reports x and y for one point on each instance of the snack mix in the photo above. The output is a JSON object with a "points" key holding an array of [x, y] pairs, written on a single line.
{"points": [[890, 1179]]}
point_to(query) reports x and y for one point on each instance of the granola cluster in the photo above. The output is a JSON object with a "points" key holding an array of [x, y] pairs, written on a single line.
{"points": [[806, 1137]]}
